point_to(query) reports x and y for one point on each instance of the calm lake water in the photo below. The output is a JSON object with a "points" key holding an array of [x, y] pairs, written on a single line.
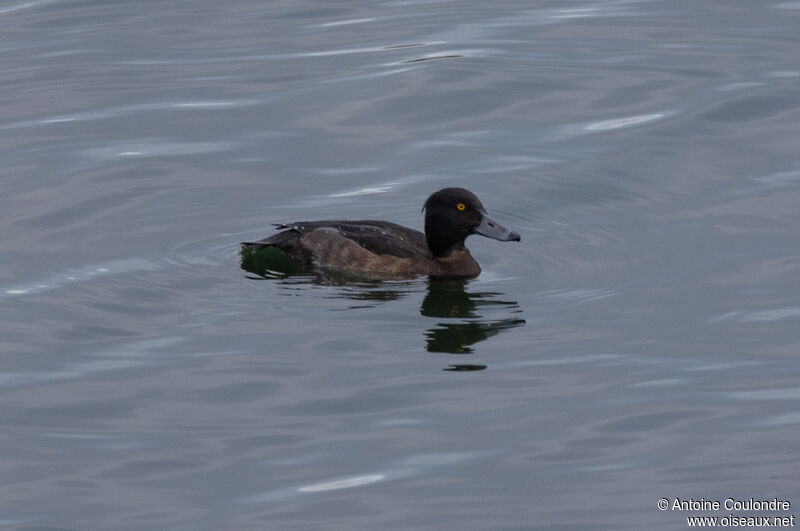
{"points": [[641, 342]]}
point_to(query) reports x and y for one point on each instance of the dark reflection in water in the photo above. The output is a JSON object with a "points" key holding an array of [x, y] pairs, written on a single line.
{"points": [[464, 318], [450, 300], [465, 367]]}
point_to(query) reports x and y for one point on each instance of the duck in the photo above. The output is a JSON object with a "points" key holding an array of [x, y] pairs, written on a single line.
{"points": [[381, 249]]}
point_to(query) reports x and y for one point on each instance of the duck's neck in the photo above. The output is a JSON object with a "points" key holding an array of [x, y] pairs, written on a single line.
{"points": [[440, 242]]}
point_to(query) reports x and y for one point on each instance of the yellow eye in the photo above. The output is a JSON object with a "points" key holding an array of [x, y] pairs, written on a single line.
{"points": [[461, 206]]}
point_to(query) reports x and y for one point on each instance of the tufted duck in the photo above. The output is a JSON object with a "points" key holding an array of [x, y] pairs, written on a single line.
{"points": [[387, 250]]}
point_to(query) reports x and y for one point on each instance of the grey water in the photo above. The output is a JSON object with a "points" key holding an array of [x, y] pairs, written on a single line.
{"points": [[641, 342]]}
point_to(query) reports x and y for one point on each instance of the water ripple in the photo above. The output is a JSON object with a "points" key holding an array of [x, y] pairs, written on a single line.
{"points": [[79, 275], [343, 483], [24, 5], [581, 295], [613, 124], [126, 110], [619, 123], [156, 148], [347, 22], [369, 190], [787, 393], [126, 356], [787, 5], [762, 316]]}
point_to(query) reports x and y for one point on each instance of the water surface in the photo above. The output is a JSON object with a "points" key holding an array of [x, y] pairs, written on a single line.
{"points": [[640, 342]]}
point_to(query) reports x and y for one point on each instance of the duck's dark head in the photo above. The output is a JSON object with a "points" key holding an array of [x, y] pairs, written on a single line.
{"points": [[452, 214]]}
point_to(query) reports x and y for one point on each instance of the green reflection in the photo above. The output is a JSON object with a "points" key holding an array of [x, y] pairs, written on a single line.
{"points": [[269, 262]]}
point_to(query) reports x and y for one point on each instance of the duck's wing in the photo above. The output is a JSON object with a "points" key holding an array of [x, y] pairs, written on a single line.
{"points": [[379, 237]]}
